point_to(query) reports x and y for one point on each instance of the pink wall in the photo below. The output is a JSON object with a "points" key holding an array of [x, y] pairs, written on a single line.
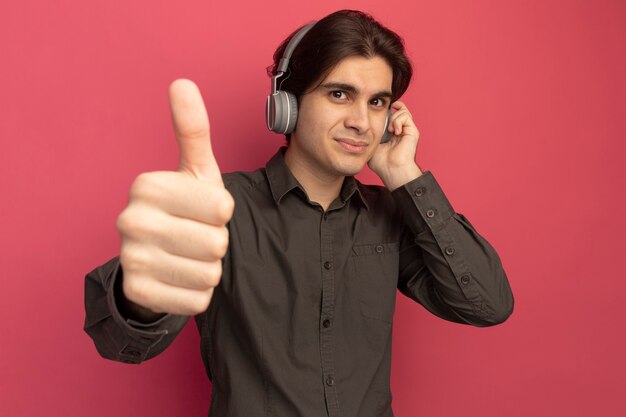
{"points": [[521, 108]]}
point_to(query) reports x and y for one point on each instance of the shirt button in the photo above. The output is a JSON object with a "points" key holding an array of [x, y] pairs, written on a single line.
{"points": [[379, 248], [430, 213], [465, 279], [450, 250], [325, 217], [330, 381], [420, 191], [328, 265], [326, 323]]}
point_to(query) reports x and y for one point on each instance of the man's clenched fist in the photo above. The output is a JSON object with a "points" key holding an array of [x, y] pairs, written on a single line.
{"points": [[174, 228]]}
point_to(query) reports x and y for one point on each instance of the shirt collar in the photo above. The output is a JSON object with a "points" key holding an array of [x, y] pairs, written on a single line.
{"points": [[282, 181]]}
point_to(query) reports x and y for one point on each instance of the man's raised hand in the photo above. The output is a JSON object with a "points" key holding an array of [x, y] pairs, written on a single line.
{"points": [[174, 228]]}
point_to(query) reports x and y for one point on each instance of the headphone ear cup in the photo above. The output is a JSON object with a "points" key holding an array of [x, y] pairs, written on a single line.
{"points": [[293, 112], [281, 112], [270, 112]]}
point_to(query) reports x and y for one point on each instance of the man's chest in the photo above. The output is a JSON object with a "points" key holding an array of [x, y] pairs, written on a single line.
{"points": [[304, 264]]}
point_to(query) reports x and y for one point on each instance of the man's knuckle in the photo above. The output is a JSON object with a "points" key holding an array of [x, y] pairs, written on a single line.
{"points": [[200, 303], [133, 289], [221, 243], [140, 185], [144, 227], [150, 186], [205, 278], [223, 204], [213, 275], [123, 222], [228, 206], [134, 258], [127, 254]]}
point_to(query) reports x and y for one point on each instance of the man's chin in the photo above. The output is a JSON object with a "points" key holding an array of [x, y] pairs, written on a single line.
{"points": [[350, 170]]}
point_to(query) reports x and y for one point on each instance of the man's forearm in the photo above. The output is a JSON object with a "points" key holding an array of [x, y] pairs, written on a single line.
{"points": [[118, 337]]}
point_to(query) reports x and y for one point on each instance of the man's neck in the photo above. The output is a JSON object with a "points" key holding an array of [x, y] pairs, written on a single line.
{"points": [[320, 186]]}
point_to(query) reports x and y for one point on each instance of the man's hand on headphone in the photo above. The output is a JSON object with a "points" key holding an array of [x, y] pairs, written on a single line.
{"points": [[174, 228], [394, 161]]}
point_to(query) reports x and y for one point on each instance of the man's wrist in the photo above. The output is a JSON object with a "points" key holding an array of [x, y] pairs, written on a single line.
{"points": [[399, 176], [130, 310]]}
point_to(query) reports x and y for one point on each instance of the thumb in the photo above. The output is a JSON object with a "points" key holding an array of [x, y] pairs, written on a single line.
{"points": [[191, 125]]}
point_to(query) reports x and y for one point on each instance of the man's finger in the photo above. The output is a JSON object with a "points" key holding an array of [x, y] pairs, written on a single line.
{"points": [[191, 125]]}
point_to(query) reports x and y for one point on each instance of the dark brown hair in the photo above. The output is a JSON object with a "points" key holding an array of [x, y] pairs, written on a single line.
{"points": [[337, 36]]}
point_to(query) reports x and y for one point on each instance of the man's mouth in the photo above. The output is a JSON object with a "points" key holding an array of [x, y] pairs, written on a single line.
{"points": [[352, 145]]}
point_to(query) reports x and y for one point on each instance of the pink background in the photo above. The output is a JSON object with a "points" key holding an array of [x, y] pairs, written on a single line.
{"points": [[521, 109]]}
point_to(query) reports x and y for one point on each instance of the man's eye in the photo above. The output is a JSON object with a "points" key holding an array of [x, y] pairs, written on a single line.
{"points": [[378, 102], [338, 94]]}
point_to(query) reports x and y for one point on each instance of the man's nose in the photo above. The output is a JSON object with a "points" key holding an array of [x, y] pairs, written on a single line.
{"points": [[357, 118]]}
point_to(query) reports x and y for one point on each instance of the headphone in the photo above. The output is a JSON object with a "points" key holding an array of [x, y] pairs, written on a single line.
{"points": [[281, 108]]}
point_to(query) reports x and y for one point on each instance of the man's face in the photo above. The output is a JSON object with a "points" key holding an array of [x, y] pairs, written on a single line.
{"points": [[341, 122]]}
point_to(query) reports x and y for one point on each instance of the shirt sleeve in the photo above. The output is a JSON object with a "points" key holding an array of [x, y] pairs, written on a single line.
{"points": [[115, 337], [445, 264]]}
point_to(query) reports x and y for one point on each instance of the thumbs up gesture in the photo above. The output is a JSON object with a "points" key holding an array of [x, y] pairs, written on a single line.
{"points": [[174, 228]]}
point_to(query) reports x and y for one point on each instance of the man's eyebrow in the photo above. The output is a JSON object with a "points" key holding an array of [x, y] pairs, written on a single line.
{"points": [[352, 89]]}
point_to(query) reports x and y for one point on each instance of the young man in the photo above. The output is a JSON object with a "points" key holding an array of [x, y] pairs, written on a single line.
{"points": [[291, 271]]}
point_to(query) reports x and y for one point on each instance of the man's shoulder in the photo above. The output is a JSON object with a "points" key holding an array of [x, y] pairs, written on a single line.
{"points": [[244, 179]]}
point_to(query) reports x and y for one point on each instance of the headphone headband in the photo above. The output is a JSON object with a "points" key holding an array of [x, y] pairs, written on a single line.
{"points": [[283, 64], [291, 46]]}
